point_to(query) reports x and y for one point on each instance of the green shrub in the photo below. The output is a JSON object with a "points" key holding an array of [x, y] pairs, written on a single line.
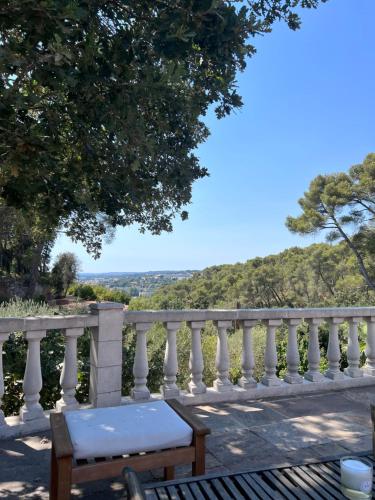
{"points": [[99, 293]]}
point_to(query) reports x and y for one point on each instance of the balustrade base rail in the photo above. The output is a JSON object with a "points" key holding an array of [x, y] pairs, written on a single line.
{"points": [[14, 427]]}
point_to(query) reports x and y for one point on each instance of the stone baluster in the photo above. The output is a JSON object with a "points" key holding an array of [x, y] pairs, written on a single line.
{"points": [[313, 352], [369, 367], [169, 389], [292, 357], [196, 385], [32, 382], [3, 338], [270, 356], [247, 380], [353, 353], [69, 378], [222, 383], [140, 390], [333, 351]]}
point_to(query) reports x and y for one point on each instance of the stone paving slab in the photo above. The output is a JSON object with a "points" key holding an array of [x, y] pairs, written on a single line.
{"points": [[245, 435]]}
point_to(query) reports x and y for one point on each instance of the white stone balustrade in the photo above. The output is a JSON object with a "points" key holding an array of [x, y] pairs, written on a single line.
{"points": [[369, 368], [247, 380], [196, 366], [69, 372], [292, 356], [270, 356], [140, 368], [313, 352], [106, 322], [169, 389], [3, 338], [32, 382], [333, 351], [222, 383], [353, 353]]}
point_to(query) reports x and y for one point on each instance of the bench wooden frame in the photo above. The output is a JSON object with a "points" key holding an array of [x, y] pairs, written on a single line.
{"points": [[65, 472]]}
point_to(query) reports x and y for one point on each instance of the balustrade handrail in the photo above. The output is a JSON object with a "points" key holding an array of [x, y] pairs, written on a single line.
{"points": [[31, 323], [171, 315]]}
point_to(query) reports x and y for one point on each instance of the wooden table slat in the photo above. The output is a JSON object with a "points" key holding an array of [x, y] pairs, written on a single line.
{"points": [[207, 488], [161, 493], [231, 487], [196, 491], [322, 482], [306, 488], [254, 484], [246, 488], [220, 488], [185, 491], [316, 480], [315, 485], [283, 485]]}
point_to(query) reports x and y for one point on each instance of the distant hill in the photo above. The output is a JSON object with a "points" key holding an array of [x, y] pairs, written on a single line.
{"points": [[320, 275], [136, 283]]}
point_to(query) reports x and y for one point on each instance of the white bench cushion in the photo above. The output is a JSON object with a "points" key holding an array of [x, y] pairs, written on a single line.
{"points": [[120, 430]]}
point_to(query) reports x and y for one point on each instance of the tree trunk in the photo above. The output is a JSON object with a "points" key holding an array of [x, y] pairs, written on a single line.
{"points": [[353, 248]]}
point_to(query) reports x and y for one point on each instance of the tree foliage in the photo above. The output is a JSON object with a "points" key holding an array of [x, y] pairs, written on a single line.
{"points": [[343, 204], [316, 276], [64, 272], [101, 103], [25, 245]]}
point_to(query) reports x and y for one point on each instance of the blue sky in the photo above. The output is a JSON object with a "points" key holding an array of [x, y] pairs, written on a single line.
{"points": [[309, 108]]}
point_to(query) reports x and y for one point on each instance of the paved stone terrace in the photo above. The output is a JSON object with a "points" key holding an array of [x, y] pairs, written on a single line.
{"points": [[246, 435]]}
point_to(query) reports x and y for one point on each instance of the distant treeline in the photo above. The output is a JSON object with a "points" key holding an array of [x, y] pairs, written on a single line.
{"points": [[316, 276]]}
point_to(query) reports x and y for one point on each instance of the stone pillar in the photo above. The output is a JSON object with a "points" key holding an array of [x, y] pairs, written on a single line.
{"points": [[313, 352], [106, 354], [353, 353], [333, 351], [32, 382], [222, 383], [140, 368], [369, 367], [3, 338], [196, 385], [169, 389], [247, 380], [68, 378], [270, 356], [292, 356]]}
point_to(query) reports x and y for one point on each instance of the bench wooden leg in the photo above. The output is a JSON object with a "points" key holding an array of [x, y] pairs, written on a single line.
{"points": [[61, 477], [199, 466], [168, 473]]}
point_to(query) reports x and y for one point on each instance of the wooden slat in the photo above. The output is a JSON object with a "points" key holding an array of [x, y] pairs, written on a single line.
{"points": [[162, 493], [321, 480], [60, 436], [185, 492], [173, 493], [196, 491], [219, 487], [245, 487], [207, 488], [260, 492], [314, 485], [274, 494], [305, 488], [139, 463], [198, 426], [283, 485], [229, 483]]}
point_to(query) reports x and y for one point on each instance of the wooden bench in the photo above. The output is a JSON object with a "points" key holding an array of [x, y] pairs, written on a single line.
{"points": [[65, 470]]}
